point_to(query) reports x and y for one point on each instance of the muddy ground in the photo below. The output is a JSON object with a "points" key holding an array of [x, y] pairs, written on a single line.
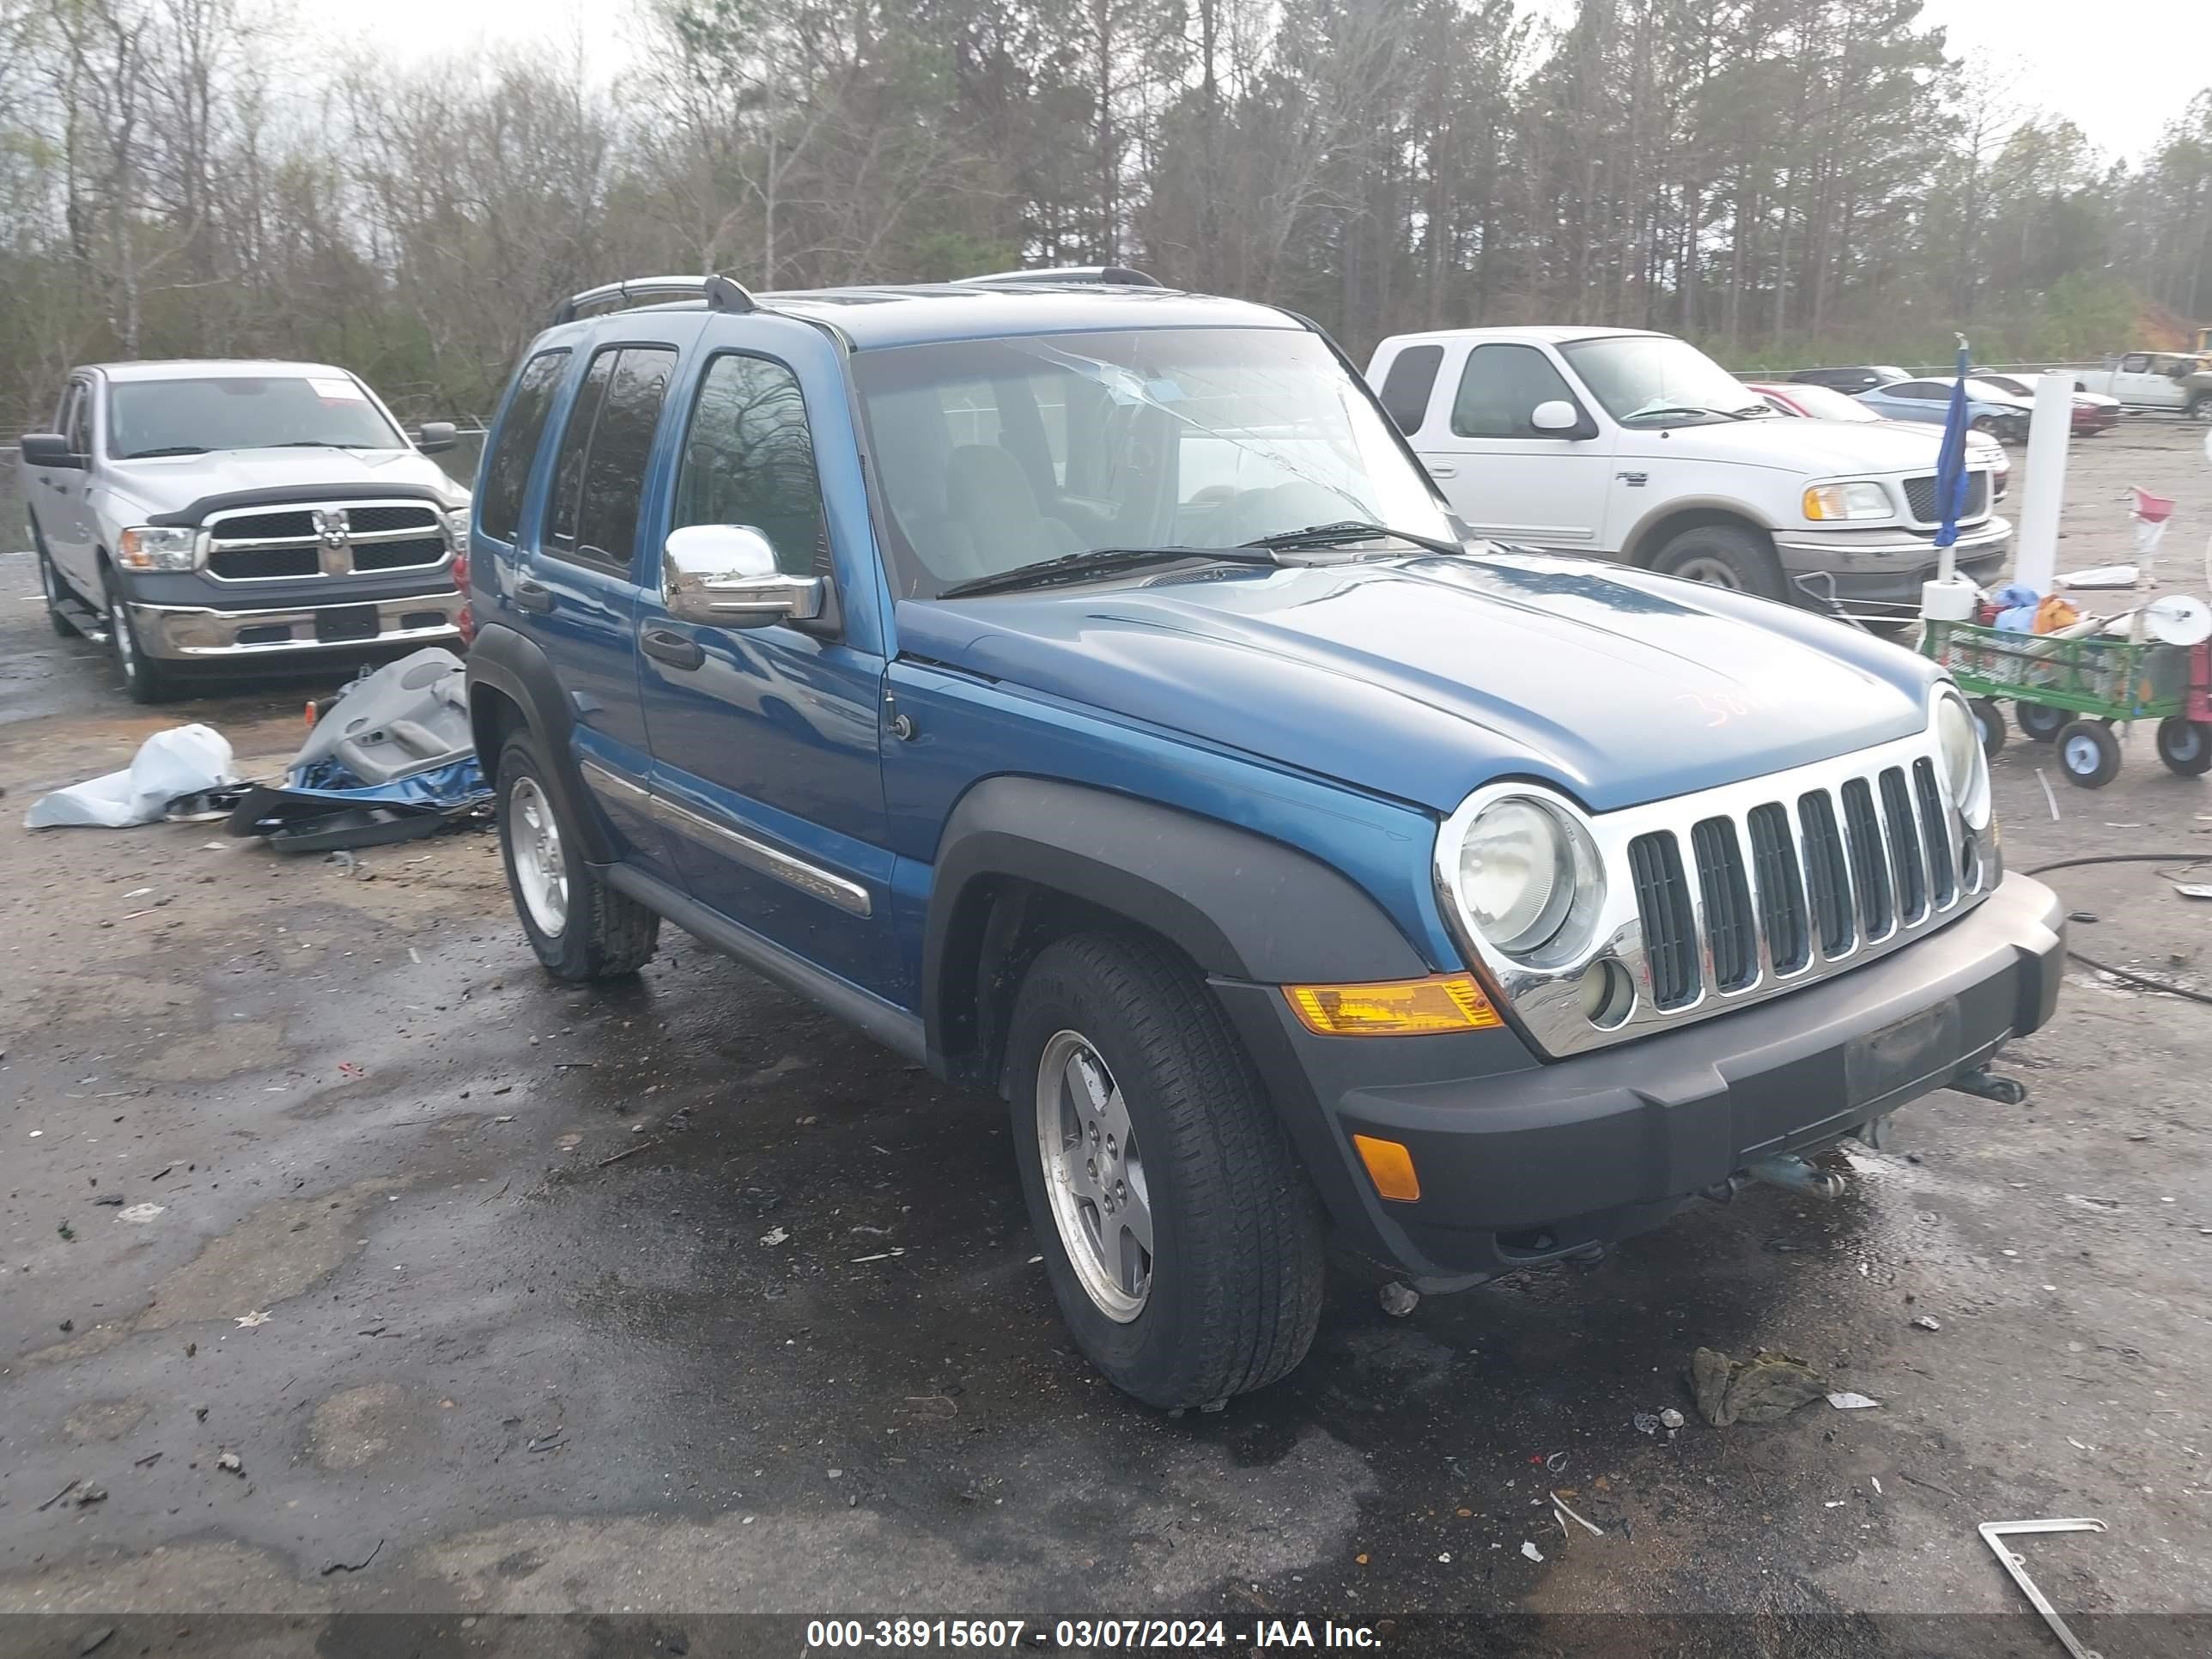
{"points": [[681, 1299]]}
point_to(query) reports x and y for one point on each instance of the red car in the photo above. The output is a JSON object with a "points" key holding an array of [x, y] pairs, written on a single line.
{"points": [[1821, 403], [2094, 412]]}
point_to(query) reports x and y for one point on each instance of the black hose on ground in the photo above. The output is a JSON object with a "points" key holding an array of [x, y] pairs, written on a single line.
{"points": [[2128, 976]]}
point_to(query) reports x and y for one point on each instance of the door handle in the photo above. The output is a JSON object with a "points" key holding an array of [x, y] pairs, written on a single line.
{"points": [[1435, 472], [533, 595], [676, 650]]}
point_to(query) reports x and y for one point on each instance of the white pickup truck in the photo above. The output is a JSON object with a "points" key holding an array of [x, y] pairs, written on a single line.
{"points": [[1637, 446], [2166, 380]]}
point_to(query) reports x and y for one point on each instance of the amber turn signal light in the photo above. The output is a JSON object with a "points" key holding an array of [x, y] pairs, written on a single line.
{"points": [[1390, 1167], [1405, 1007]]}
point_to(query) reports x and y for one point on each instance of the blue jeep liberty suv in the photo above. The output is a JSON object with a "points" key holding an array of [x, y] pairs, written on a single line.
{"points": [[1080, 687]]}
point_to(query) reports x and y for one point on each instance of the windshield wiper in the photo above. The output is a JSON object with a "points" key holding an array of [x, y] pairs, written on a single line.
{"points": [[173, 449], [1675, 409], [1350, 530], [309, 443], [1097, 562]]}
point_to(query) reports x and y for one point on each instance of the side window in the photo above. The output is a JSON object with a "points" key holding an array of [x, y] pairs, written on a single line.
{"points": [[1500, 388], [1405, 387], [575, 446], [80, 419], [1923, 391], [65, 417], [622, 446], [749, 459], [2138, 364], [507, 469], [599, 479]]}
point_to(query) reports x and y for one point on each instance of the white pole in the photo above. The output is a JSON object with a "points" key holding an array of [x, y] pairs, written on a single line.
{"points": [[2035, 539]]}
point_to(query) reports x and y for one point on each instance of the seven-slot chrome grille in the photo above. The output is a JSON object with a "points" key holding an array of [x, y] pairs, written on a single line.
{"points": [[1727, 897], [336, 539], [1920, 495]]}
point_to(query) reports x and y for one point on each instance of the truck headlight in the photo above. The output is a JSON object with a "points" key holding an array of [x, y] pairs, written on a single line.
{"points": [[1836, 502], [457, 528], [157, 547], [1966, 767], [1524, 875]]}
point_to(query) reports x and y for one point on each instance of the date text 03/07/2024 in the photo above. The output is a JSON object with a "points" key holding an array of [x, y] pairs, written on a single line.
{"points": [[1084, 1635]]}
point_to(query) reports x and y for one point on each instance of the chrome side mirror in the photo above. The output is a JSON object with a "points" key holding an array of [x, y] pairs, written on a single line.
{"points": [[725, 576], [1556, 415]]}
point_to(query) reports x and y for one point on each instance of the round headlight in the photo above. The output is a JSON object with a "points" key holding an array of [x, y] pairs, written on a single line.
{"points": [[1516, 874], [1966, 766]]}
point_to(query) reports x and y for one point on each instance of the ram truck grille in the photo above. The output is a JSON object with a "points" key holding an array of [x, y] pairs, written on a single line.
{"points": [[337, 538]]}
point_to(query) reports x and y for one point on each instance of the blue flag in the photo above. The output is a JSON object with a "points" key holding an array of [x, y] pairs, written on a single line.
{"points": [[1951, 466]]}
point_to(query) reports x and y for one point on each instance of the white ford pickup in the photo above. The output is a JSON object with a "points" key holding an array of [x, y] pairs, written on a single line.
{"points": [[2153, 380], [1637, 446]]}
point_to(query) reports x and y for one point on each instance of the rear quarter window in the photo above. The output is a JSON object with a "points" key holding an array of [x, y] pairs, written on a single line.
{"points": [[521, 429], [1405, 387]]}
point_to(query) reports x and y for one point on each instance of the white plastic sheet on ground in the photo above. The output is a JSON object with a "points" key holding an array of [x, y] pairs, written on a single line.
{"points": [[181, 761]]}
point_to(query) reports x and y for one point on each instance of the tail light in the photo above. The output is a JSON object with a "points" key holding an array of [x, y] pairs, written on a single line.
{"points": [[466, 621]]}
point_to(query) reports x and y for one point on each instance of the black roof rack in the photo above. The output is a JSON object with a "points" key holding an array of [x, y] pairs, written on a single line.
{"points": [[1111, 275], [719, 291]]}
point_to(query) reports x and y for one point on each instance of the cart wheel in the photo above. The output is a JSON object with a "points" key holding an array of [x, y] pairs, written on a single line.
{"points": [[2039, 722], [2088, 753], [2185, 745], [1988, 726]]}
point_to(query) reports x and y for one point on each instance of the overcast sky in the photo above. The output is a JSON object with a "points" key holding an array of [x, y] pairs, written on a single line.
{"points": [[2120, 69]]}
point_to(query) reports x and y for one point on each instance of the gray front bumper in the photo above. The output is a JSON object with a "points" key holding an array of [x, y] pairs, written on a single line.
{"points": [[200, 633], [1883, 555]]}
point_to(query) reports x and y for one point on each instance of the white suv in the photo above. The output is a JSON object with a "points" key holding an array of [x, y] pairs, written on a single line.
{"points": [[1637, 446]]}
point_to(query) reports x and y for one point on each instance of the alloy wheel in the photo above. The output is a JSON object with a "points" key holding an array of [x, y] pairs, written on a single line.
{"points": [[126, 649], [533, 840], [1714, 573], [1094, 1176]]}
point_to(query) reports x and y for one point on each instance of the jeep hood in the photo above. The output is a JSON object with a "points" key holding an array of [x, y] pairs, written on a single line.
{"points": [[1811, 449], [1420, 679], [169, 484]]}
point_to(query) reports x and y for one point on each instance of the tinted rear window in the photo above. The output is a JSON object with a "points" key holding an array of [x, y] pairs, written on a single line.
{"points": [[507, 469], [600, 478], [1406, 388]]}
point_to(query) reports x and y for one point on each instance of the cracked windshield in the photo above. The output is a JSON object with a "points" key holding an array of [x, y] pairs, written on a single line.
{"points": [[996, 455]]}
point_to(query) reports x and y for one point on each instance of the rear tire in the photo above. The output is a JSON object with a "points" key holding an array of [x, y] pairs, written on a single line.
{"points": [[2185, 745], [2039, 722], [1722, 555], [581, 928], [49, 584], [1123, 1074], [2200, 406], [2088, 753], [1990, 724]]}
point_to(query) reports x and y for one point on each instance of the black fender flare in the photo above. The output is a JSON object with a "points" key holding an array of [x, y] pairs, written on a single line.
{"points": [[507, 664], [1239, 904]]}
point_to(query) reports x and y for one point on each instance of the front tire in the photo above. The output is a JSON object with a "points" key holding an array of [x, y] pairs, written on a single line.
{"points": [[1179, 1234], [1722, 555], [2200, 407], [581, 928], [2088, 753], [2185, 745], [144, 679], [1988, 725]]}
